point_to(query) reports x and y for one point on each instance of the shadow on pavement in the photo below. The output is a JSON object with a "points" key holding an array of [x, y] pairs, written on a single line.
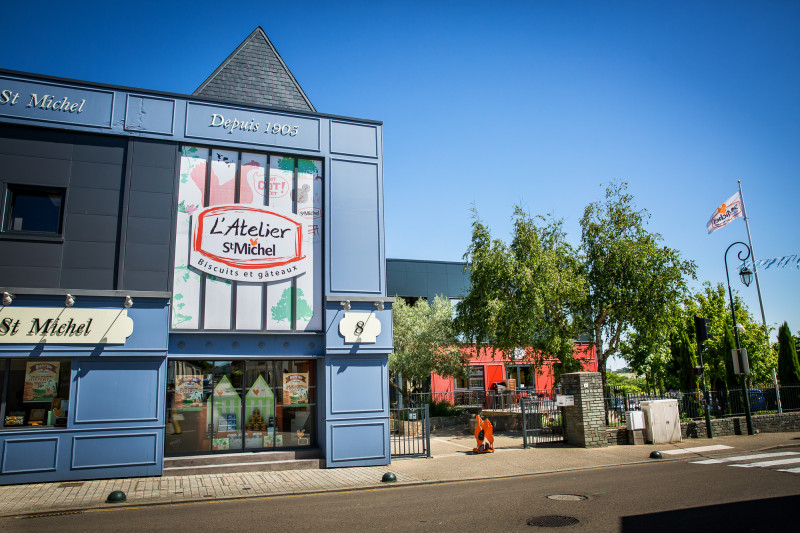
{"points": [[771, 514]]}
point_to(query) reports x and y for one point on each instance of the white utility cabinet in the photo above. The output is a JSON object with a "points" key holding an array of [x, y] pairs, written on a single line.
{"points": [[662, 421], [635, 420]]}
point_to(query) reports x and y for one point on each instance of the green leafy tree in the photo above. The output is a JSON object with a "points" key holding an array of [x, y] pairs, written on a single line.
{"points": [[523, 295], [713, 303], [632, 280], [424, 342], [788, 365]]}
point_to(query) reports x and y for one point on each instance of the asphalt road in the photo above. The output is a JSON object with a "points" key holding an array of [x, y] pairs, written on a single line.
{"points": [[652, 497]]}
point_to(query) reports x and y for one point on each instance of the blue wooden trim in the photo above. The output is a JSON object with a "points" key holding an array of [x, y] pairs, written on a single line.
{"points": [[4, 470]]}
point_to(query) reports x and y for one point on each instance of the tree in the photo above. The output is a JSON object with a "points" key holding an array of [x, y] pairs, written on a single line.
{"points": [[631, 279], [523, 295], [424, 341], [713, 303], [788, 366]]}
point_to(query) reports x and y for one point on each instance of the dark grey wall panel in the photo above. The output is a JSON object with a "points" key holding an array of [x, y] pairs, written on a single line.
{"points": [[152, 179], [147, 243], [149, 257], [426, 279], [148, 231], [78, 278], [23, 253], [150, 205], [97, 175], [154, 154], [101, 249], [134, 280], [29, 276], [34, 171], [100, 150], [35, 143], [93, 202], [97, 228], [96, 255]]}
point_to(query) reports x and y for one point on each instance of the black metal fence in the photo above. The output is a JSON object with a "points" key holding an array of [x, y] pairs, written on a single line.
{"points": [[725, 403], [506, 400], [542, 421], [410, 431]]}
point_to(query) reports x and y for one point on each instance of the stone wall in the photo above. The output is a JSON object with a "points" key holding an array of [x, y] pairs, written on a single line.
{"points": [[585, 420]]}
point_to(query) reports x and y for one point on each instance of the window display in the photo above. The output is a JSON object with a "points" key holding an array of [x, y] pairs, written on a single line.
{"points": [[35, 393], [226, 406]]}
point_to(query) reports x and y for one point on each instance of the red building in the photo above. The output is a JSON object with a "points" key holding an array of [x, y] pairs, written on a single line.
{"points": [[488, 367]]}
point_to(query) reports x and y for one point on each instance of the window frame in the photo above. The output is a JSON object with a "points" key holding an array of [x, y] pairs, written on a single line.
{"points": [[11, 190]]}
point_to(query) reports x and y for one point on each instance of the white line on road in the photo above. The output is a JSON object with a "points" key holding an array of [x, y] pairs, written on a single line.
{"points": [[792, 470], [697, 449], [453, 443], [764, 464], [743, 458]]}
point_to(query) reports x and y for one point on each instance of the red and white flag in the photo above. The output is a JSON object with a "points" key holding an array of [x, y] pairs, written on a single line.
{"points": [[732, 209]]}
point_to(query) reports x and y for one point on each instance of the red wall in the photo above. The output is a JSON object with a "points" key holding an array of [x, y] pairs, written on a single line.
{"points": [[494, 362]]}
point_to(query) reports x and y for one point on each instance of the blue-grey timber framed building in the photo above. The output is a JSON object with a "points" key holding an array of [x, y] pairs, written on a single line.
{"points": [[188, 274]]}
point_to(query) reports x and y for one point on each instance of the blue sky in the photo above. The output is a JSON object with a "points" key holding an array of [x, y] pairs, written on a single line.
{"points": [[529, 103]]}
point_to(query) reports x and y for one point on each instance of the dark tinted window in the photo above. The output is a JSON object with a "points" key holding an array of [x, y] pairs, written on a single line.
{"points": [[30, 209]]}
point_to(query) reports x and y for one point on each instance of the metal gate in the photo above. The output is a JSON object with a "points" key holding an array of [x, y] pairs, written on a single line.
{"points": [[542, 421], [410, 430]]}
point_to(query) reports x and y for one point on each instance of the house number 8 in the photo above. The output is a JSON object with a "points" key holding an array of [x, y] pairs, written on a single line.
{"points": [[359, 327]]}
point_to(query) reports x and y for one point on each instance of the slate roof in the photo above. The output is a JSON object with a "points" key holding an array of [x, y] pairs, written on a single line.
{"points": [[255, 74]]}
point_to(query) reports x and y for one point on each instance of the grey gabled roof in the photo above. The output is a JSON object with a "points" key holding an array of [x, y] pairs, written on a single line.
{"points": [[255, 74]]}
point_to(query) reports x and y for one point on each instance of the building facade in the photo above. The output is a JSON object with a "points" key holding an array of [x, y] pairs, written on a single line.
{"points": [[188, 274]]}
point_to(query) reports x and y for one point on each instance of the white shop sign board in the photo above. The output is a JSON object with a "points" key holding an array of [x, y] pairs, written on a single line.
{"points": [[565, 400]]}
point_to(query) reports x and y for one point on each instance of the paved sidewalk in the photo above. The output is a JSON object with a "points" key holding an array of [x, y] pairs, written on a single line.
{"points": [[452, 461]]}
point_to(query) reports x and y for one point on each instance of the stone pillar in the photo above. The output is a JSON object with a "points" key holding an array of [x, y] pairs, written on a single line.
{"points": [[585, 420]]}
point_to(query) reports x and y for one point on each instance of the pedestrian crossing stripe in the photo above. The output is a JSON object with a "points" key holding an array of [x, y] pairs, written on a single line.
{"points": [[697, 449], [790, 470], [743, 458], [764, 464]]}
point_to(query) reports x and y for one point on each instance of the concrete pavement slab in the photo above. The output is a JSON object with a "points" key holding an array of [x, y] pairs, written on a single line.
{"points": [[453, 460]]}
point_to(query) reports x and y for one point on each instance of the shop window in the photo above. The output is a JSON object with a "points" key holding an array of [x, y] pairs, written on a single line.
{"points": [[35, 393], [474, 379], [229, 406], [33, 210]]}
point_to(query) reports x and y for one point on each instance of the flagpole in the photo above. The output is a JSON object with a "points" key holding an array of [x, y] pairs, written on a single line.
{"points": [[752, 255]]}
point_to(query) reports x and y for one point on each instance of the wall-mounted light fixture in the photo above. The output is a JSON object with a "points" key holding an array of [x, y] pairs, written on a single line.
{"points": [[346, 305], [7, 298], [69, 301], [128, 302]]}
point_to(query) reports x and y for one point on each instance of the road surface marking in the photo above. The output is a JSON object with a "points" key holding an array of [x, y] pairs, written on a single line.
{"points": [[791, 470], [764, 464], [698, 449], [743, 458]]}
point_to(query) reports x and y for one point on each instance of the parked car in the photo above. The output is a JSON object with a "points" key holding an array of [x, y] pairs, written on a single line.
{"points": [[758, 402]]}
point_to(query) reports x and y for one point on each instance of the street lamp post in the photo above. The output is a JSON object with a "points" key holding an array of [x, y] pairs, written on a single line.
{"points": [[747, 278]]}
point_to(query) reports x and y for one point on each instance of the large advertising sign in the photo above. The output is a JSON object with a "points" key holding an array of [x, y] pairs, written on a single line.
{"points": [[244, 243], [248, 243]]}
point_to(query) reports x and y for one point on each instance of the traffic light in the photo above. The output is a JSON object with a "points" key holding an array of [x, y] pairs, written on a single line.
{"points": [[702, 329]]}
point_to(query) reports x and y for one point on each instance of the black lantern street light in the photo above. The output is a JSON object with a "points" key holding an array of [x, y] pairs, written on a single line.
{"points": [[747, 277]]}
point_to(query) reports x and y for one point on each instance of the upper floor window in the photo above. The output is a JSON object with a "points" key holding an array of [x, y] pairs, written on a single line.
{"points": [[33, 210]]}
